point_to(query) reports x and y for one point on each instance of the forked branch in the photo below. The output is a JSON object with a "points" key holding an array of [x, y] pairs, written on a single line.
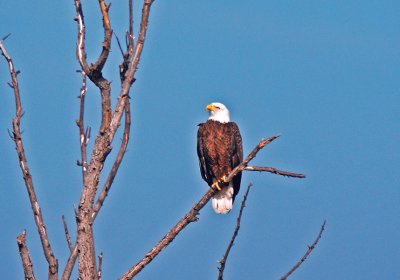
{"points": [[310, 249], [87, 209], [94, 71], [96, 67], [117, 162], [17, 138], [191, 216]]}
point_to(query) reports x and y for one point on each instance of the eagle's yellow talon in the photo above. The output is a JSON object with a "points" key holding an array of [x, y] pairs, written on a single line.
{"points": [[216, 185]]}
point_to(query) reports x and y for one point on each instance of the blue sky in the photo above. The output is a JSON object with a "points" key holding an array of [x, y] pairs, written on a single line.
{"points": [[323, 73]]}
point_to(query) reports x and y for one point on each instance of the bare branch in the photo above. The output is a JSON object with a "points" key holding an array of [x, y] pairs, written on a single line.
{"points": [[67, 237], [17, 137], [25, 258], [80, 48], [124, 66], [83, 135], [80, 45], [131, 44], [274, 171], [107, 37], [222, 262], [130, 74], [5, 37], [100, 265], [94, 70], [118, 160], [119, 45], [70, 264], [74, 253], [191, 216], [310, 249], [142, 33]]}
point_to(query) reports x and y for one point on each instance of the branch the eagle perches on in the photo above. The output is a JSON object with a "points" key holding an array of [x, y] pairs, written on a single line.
{"points": [[191, 215]]}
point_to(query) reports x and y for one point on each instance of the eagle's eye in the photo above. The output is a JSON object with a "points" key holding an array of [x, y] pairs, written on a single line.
{"points": [[217, 107]]}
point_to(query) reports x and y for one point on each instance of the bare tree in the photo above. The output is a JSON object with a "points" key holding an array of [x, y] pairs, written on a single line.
{"points": [[82, 250], [92, 167]]}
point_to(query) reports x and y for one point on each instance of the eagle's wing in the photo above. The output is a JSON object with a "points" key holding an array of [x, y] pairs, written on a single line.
{"points": [[202, 154], [236, 149], [237, 156]]}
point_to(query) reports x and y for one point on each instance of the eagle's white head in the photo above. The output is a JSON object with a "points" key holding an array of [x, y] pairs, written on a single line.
{"points": [[218, 112]]}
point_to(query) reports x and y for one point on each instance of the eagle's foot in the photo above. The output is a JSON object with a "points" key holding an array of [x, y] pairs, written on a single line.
{"points": [[217, 184]]}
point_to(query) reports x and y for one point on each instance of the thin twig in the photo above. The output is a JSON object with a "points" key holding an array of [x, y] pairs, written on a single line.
{"points": [[17, 137], [5, 37], [67, 237], [25, 258], [100, 265], [222, 262], [274, 171], [84, 136], [130, 74], [131, 43], [123, 67], [119, 44], [190, 216], [310, 249]]}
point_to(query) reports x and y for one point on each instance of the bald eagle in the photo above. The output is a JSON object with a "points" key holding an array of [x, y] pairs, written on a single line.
{"points": [[219, 148]]}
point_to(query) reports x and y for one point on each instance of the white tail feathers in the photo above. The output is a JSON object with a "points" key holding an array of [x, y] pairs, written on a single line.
{"points": [[222, 200]]}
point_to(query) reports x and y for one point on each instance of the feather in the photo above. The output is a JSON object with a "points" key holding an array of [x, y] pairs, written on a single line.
{"points": [[222, 201]]}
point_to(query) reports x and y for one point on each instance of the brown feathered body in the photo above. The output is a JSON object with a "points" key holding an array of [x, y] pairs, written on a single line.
{"points": [[219, 147]]}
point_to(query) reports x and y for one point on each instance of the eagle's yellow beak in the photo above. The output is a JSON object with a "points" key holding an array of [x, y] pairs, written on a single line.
{"points": [[210, 107]]}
